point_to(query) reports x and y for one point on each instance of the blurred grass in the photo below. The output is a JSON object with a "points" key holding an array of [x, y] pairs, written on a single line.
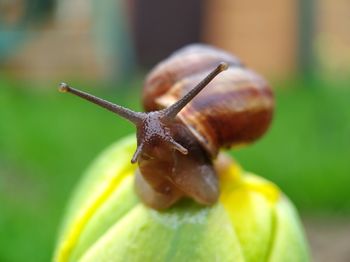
{"points": [[48, 139]]}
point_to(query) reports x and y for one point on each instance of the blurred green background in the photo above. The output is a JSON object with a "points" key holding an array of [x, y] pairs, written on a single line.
{"points": [[48, 139]]}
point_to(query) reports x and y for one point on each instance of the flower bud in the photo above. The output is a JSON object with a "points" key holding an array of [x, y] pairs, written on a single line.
{"points": [[105, 221]]}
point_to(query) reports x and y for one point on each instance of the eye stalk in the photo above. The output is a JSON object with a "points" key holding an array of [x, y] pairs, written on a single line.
{"points": [[152, 124], [174, 109], [137, 153], [134, 117]]}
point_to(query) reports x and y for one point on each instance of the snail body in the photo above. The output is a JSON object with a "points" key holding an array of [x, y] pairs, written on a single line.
{"points": [[165, 174], [187, 124]]}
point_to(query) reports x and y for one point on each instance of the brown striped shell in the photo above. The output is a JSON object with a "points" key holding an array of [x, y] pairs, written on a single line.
{"points": [[235, 108]]}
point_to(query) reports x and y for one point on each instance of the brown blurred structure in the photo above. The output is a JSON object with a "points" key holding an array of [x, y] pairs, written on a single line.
{"points": [[158, 31], [262, 33], [75, 41], [61, 46], [332, 42], [276, 38]]}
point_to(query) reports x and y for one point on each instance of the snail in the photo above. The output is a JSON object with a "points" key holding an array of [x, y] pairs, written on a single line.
{"points": [[185, 126]]}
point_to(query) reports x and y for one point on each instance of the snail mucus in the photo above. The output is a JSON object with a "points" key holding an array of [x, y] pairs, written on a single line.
{"points": [[197, 101]]}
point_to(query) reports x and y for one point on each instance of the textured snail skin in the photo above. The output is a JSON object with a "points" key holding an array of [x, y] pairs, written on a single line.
{"points": [[165, 175], [235, 108]]}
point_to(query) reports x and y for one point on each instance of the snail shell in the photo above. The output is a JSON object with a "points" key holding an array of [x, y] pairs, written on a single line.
{"points": [[235, 108]]}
